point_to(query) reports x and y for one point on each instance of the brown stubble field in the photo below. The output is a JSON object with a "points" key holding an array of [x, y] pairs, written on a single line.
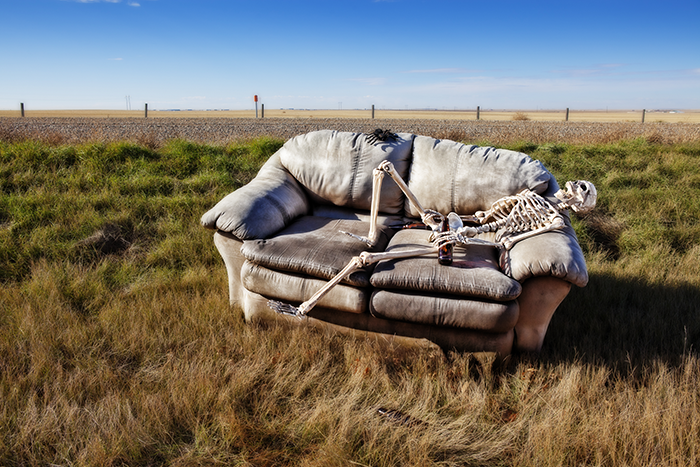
{"points": [[685, 116]]}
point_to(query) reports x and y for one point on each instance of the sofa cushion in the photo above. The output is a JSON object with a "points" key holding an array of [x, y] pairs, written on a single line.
{"points": [[448, 176], [474, 271], [395, 221], [336, 167], [296, 288], [265, 205], [555, 253], [315, 246], [445, 311]]}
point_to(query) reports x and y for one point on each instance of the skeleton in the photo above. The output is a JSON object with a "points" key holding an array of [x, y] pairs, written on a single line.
{"points": [[514, 218], [520, 216]]}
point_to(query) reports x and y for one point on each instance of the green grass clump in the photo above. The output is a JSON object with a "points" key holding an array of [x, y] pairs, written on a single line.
{"points": [[118, 345], [55, 198]]}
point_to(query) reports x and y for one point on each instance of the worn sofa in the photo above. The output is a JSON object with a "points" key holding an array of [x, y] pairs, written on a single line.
{"points": [[280, 239]]}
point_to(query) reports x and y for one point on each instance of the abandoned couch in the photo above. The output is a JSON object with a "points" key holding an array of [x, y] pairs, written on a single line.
{"points": [[280, 239]]}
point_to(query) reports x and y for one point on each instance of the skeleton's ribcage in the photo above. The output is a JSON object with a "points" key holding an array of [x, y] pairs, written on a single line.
{"points": [[523, 212]]}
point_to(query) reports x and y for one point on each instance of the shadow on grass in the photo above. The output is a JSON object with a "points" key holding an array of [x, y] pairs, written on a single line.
{"points": [[625, 324]]}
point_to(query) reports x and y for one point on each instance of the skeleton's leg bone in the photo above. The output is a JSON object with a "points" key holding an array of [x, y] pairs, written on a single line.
{"points": [[371, 238], [364, 259], [377, 178], [388, 167], [371, 258], [304, 308]]}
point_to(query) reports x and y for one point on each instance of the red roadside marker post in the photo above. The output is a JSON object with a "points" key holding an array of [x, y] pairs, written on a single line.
{"points": [[255, 98]]}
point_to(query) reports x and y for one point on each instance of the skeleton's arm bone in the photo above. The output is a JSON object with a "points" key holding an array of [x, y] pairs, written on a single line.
{"points": [[388, 167], [431, 218], [456, 238], [508, 242], [364, 259]]}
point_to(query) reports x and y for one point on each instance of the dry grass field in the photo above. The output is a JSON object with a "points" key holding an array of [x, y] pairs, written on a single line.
{"points": [[686, 116], [118, 346]]}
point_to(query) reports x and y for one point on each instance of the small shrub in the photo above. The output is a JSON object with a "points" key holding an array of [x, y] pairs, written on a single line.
{"points": [[520, 117], [149, 140], [452, 135]]}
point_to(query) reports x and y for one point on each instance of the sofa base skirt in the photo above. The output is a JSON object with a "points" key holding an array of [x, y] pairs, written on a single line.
{"points": [[230, 250], [363, 325], [538, 301]]}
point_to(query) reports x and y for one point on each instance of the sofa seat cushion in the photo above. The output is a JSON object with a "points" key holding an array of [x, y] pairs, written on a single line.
{"points": [[314, 246], [450, 311], [296, 288], [474, 271]]}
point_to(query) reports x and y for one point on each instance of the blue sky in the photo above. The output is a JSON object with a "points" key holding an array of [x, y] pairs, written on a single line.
{"points": [[330, 54]]}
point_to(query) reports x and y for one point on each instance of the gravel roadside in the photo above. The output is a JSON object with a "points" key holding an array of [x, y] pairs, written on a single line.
{"points": [[155, 131]]}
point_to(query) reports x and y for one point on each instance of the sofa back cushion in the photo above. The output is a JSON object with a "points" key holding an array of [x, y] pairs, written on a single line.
{"points": [[449, 176], [336, 167]]}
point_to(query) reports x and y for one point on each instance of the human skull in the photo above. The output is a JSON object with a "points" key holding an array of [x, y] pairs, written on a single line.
{"points": [[580, 195]]}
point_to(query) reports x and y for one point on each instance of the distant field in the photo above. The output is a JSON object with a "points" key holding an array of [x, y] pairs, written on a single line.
{"points": [[687, 116]]}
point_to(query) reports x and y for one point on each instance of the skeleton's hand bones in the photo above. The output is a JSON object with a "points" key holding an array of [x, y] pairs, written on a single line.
{"points": [[432, 219]]}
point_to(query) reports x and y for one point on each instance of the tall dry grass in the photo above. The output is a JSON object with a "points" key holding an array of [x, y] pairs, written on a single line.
{"points": [[118, 347]]}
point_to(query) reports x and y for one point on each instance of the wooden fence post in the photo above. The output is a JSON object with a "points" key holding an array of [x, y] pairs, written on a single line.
{"points": [[372, 111], [262, 110], [21, 106], [478, 111], [567, 114], [644, 113], [145, 111]]}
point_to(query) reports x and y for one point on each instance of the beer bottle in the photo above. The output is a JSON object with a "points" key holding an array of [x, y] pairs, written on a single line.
{"points": [[445, 251]]}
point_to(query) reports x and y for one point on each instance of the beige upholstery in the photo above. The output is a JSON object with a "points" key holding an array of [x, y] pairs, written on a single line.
{"points": [[279, 238], [336, 168], [474, 271], [449, 176], [314, 246]]}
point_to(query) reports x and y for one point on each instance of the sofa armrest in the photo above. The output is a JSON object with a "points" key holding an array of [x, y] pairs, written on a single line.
{"points": [[556, 253], [262, 207]]}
